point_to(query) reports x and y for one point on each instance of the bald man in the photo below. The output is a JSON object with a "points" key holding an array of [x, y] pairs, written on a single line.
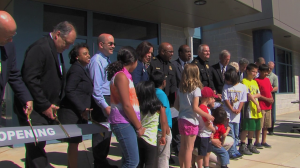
{"points": [[8, 64], [101, 97], [274, 82], [43, 72]]}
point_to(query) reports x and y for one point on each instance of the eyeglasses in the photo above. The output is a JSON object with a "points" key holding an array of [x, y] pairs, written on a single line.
{"points": [[9, 38], [110, 43]]}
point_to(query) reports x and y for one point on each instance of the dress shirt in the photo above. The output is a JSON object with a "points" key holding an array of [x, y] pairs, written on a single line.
{"points": [[241, 75], [182, 63], [96, 69], [221, 67]]}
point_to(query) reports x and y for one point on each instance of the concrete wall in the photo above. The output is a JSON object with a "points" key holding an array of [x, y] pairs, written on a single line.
{"points": [[238, 44], [173, 35], [285, 14]]}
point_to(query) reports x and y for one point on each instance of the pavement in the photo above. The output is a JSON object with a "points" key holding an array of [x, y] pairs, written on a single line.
{"points": [[285, 151]]}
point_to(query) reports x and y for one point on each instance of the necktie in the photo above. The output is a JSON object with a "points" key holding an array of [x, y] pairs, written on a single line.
{"points": [[223, 72]]}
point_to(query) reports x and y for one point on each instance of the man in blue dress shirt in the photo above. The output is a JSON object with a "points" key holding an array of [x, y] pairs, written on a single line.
{"points": [[101, 97]]}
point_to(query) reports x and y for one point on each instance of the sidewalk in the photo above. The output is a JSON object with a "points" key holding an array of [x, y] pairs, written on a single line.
{"points": [[285, 151]]}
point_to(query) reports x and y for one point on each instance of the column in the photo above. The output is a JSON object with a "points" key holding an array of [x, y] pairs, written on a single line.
{"points": [[263, 45]]}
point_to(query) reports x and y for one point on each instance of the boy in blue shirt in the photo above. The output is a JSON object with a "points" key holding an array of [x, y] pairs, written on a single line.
{"points": [[159, 80]]}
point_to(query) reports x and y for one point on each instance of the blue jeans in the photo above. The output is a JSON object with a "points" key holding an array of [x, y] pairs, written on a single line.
{"points": [[234, 133], [222, 153], [126, 136]]}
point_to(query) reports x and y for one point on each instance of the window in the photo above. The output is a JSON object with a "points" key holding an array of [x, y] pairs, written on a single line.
{"points": [[53, 15], [284, 70], [196, 41]]}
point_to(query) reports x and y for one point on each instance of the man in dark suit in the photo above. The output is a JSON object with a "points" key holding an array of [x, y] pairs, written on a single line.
{"points": [[44, 72], [184, 53], [8, 64], [218, 70]]}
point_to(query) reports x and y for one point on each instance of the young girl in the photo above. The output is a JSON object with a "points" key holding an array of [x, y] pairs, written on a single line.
{"points": [[234, 95], [221, 133], [124, 117], [151, 111], [186, 103]]}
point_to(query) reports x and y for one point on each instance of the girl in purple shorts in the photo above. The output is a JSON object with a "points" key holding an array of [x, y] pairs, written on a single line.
{"points": [[187, 103]]}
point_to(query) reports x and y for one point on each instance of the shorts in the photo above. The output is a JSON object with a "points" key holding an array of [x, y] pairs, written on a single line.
{"points": [[203, 145], [187, 128], [266, 120], [250, 124]]}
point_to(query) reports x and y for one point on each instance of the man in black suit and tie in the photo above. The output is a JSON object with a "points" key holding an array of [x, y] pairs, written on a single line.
{"points": [[8, 64], [44, 72], [184, 53], [243, 63], [218, 70]]}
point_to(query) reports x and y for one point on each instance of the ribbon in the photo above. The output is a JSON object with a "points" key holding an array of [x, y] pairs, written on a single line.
{"points": [[19, 135]]}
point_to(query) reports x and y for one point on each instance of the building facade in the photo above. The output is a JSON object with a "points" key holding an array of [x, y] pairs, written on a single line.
{"points": [[247, 28]]}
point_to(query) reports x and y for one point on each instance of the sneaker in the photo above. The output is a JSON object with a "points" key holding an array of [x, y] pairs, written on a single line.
{"points": [[271, 133], [252, 149], [266, 145], [258, 146], [244, 150], [239, 155], [233, 157]]}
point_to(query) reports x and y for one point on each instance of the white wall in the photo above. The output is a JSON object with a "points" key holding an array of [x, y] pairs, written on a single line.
{"points": [[173, 35]]}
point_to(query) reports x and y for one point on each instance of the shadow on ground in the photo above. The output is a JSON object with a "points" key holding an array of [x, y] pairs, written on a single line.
{"points": [[8, 164], [284, 128]]}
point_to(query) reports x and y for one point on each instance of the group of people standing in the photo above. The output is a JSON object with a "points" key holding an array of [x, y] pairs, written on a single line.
{"points": [[135, 95]]}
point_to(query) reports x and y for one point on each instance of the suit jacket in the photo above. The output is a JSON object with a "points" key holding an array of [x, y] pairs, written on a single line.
{"points": [[42, 74], [10, 74], [179, 70], [217, 77], [140, 73], [79, 89]]}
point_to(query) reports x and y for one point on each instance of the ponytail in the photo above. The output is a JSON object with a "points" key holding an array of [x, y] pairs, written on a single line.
{"points": [[126, 55]]}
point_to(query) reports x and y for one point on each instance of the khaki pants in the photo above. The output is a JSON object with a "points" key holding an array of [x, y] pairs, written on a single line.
{"points": [[163, 151]]}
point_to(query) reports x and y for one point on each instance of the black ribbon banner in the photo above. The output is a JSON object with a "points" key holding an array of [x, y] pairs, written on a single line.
{"points": [[18, 135]]}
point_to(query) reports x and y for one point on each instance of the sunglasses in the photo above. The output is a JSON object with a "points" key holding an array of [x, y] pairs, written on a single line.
{"points": [[110, 43]]}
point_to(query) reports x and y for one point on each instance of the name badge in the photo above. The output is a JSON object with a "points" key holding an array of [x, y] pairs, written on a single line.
{"points": [[157, 68], [170, 67]]}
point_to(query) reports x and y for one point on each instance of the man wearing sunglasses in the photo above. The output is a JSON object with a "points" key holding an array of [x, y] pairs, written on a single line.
{"points": [[8, 65], [101, 97]]}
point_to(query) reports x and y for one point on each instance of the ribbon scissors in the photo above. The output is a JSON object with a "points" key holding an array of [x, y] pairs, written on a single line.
{"points": [[56, 118], [29, 122], [95, 122]]}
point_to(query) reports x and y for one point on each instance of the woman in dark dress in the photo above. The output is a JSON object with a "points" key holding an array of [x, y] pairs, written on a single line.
{"points": [[75, 105], [144, 51]]}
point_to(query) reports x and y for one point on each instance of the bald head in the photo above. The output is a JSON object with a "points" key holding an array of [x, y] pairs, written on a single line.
{"points": [[271, 65], [166, 51], [106, 44], [8, 28]]}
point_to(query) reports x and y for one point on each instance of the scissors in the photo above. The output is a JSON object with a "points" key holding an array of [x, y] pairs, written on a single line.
{"points": [[29, 122], [56, 118]]}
